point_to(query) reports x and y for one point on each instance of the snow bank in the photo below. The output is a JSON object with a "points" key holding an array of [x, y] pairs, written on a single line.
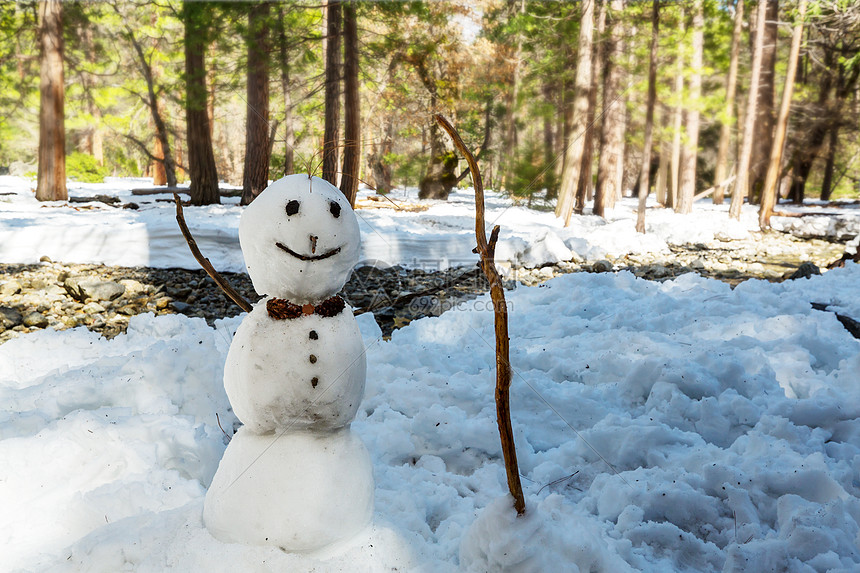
{"points": [[440, 237]]}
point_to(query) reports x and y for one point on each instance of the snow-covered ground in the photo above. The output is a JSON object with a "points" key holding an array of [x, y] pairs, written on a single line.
{"points": [[676, 426]]}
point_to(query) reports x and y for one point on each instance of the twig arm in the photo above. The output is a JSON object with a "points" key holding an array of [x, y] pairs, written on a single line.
{"points": [[204, 262]]}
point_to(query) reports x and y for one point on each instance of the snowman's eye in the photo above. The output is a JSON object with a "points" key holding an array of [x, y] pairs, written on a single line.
{"points": [[292, 207], [335, 209]]}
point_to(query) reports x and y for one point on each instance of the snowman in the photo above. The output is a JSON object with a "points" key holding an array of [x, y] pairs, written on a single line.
{"points": [[295, 476]]}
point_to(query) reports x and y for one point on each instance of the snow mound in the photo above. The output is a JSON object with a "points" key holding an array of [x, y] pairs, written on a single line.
{"points": [[547, 248], [839, 227], [499, 540]]}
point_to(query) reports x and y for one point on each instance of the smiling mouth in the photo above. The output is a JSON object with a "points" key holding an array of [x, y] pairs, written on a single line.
{"points": [[302, 257]]}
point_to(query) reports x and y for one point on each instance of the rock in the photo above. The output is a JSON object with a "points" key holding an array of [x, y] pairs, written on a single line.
{"points": [[84, 288], [37, 283], [9, 288], [36, 320], [128, 310], [575, 258], [601, 266], [72, 287], [93, 308], [180, 306], [698, 264], [10, 318], [658, 271], [45, 259], [179, 293], [102, 290], [133, 287], [55, 292], [163, 302], [546, 272], [804, 271]]}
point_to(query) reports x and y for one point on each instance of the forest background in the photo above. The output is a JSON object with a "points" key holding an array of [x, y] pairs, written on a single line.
{"points": [[566, 104]]}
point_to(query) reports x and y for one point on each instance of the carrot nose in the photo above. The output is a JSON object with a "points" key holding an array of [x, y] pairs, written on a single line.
{"points": [[314, 244]]}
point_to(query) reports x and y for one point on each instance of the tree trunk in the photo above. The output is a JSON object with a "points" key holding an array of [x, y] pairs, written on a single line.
{"points": [[352, 128], [811, 144], [802, 168], [255, 174], [677, 119], [722, 171], [661, 186], [624, 116], [332, 92], [159, 176], [576, 148], [154, 103], [742, 180], [565, 118], [644, 176], [289, 133], [690, 149], [51, 182], [161, 135], [827, 182], [765, 113], [441, 175], [549, 180], [511, 136], [201, 160], [93, 139], [583, 186], [768, 197]]}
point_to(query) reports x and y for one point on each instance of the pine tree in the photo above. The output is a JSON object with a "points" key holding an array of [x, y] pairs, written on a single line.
{"points": [[256, 170], [201, 159], [51, 183]]}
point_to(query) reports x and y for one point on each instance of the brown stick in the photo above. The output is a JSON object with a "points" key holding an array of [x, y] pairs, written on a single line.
{"points": [[204, 262], [497, 293]]}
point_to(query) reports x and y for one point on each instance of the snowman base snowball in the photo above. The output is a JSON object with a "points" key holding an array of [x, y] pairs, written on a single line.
{"points": [[300, 491]]}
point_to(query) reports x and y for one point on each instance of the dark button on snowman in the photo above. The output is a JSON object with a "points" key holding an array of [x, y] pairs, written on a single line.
{"points": [[295, 476]]}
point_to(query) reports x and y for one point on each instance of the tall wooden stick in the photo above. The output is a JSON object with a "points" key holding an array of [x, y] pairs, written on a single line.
{"points": [[204, 262], [486, 250]]}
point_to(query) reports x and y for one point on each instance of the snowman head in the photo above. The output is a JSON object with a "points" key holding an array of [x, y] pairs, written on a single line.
{"points": [[300, 239]]}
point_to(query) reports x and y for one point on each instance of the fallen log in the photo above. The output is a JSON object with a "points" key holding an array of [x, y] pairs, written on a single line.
{"points": [[184, 190], [707, 192]]}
